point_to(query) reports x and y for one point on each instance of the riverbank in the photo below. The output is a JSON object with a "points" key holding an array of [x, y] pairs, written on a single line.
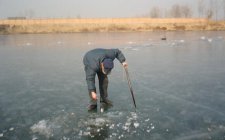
{"points": [[11, 26]]}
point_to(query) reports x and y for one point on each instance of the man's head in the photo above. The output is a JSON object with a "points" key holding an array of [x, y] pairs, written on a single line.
{"points": [[107, 65]]}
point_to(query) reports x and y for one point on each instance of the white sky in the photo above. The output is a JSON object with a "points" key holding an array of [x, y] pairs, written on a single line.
{"points": [[90, 8]]}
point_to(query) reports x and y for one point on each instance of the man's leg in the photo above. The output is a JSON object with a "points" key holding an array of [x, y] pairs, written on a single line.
{"points": [[103, 88]]}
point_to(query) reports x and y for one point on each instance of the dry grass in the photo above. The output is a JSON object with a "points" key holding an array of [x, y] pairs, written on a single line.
{"points": [[106, 25]]}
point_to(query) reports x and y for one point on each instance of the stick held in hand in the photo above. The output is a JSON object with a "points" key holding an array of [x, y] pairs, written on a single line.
{"points": [[129, 84]]}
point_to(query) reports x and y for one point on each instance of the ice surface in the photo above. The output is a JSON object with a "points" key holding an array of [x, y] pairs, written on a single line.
{"points": [[178, 86]]}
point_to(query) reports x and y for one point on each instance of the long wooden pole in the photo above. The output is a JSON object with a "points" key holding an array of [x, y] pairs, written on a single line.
{"points": [[130, 87]]}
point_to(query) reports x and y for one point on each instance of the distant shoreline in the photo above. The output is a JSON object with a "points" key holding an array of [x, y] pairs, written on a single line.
{"points": [[26, 26]]}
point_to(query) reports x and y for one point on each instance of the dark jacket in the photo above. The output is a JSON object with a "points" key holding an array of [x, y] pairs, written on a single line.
{"points": [[92, 60]]}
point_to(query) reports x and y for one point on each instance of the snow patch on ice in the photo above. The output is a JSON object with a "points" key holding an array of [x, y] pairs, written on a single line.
{"points": [[42, 127]]}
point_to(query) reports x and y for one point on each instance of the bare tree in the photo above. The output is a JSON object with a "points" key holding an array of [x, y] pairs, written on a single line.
{"points": [[186, 11], [155, 12], [78, 16], [220, 9], [166, 13], [223, 9], [29, 13], [214, 9], [175, 11], [201, 8], [209, 14]]}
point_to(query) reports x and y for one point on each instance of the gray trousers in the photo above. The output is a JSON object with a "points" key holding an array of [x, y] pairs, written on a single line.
{"points": [[103, 86]]}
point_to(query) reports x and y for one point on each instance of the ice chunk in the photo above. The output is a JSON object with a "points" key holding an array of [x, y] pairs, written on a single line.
{"points": [[125, 127], [220, 37], [130, 42], [86, 133], [181, 41], [89, 43], [80, 133], [128, 123], [102, 110], [42, 128], [11, 129], [28, 44], [34, 138], [203, 38], [118, 125], [136, 124], [1, 135], [59, 42], [147, 120], [135, 49], [112, 126], [210, 40], [128, 48], [97, 122], [114, 134]]}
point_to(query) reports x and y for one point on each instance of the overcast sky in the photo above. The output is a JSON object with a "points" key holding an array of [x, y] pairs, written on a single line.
{"points": [[88, 8]]}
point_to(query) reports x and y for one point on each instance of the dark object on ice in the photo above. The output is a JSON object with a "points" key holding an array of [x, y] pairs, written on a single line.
{"points": [[163, 38], [129, 84]]}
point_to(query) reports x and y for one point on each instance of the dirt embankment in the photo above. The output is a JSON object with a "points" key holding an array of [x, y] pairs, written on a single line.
{"points": [[106, 25]]}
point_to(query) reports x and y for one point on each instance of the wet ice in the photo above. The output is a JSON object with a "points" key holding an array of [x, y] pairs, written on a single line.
{"points": [[178, 85]]}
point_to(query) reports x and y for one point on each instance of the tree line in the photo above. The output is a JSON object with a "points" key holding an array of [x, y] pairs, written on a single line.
{"points": [[209, 9]]}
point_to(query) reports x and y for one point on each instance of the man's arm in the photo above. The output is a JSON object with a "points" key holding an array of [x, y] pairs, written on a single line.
{"points": [[119, 55], [90, 79]]}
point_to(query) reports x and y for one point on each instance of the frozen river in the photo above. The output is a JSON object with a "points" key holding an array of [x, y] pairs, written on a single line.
{"points": [[179, 87]]}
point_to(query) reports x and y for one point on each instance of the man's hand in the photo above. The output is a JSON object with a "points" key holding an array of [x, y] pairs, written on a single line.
{"points": [[124, 64], [94, 95]]}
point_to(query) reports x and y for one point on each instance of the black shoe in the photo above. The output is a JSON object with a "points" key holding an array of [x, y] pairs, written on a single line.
{"points": [[92, 107], [106, 102]]}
